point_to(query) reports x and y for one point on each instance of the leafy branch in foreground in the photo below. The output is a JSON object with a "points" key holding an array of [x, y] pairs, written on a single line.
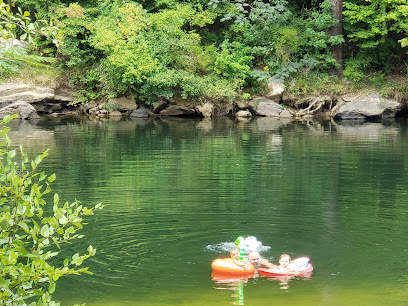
{"points": [[31, 235]]}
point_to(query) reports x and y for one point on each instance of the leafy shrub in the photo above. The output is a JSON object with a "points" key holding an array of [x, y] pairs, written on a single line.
{"points": [[233, 62], [30, 235], [355, 68]]}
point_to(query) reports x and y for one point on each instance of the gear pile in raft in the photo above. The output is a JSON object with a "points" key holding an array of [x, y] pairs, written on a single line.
{"points": [[297, 267]]}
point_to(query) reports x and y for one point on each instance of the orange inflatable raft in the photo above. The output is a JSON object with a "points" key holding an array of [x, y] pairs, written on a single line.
{"points": [[227, 266]]}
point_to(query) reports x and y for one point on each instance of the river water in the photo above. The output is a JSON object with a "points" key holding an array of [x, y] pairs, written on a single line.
{"points": [[180, 191]]}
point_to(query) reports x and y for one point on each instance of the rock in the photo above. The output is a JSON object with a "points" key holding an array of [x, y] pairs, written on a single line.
{"points": [[177, 110], [22, 108], [10, 93], [222, 110], [368, 106], [14, 43], [141, 112], [115, 114], [285, 114], [243, 114], [206, 109], [275, 90], [123, 103], [159, 107], [266, 107], [241, 104], [210, 110], [64, 94]]}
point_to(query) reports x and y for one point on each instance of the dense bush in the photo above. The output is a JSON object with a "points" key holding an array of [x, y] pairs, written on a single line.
{"points": [[154, 50]]}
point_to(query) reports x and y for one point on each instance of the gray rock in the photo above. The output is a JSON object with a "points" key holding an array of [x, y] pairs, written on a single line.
{"points": [[115, 114], [285, 114], [210, 110], [222, 110], [23, 109], [159, 107], [141, 112], [368, 106], [10, 93], [177, 110], [123, 103], [243, 114], [206, 109], [64, 94], [242, 104], [266, 107]]}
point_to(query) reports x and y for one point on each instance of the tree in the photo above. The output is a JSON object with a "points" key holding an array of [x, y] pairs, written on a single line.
{"points": [[337, 29], [31, 234]]}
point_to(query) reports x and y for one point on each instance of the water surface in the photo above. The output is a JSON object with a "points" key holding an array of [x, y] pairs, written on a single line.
{"points": [[335, 192]]}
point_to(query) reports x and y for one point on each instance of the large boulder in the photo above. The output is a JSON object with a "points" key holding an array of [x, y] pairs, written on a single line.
{"points": [[367, 106], [22, 108], [123, 103], [213, 110], [266, 107], [177, 110], [141, 112], [206, 109], [10, 93], [64, 94], [243, 114]]}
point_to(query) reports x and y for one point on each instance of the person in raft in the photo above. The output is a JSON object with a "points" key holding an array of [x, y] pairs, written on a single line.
{"points": [[257, 261], [284, 261], [235, 256]]}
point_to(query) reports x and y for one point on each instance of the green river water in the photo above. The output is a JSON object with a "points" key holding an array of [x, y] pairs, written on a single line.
{"points": [[180, 191]]}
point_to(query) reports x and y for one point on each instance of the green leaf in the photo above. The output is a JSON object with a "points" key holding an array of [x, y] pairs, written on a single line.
{"points": [[11, 153], [38, 160], [24, 226], [42, 176], [45, 231], [51, 288], [63, 220], [52, 178], [56, 199]]}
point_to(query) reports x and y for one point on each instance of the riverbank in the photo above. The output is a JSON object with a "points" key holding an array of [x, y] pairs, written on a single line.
{"points": [[320, 95]]}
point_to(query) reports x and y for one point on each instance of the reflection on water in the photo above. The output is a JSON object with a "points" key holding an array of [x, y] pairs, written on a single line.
{"points": [[334, 192], [234, 283]]}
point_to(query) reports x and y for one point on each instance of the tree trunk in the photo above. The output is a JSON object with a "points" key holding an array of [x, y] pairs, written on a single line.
{"points": [[337, 29]]}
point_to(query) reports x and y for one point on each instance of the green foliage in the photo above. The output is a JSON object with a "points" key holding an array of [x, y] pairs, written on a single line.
{"points": [[317, 83], [20, 26], [246, 96], [233, 62], [283, 38], [289, 69], [32, 235], [378, 30], [356, 68], [12, 58]]}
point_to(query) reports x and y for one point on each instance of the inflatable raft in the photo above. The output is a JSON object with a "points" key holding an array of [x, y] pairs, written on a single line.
{"points": [[227, 266], [301, 266]]}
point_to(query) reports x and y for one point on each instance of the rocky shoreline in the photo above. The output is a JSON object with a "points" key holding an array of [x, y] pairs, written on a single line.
{"points": [[31, 102]]}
